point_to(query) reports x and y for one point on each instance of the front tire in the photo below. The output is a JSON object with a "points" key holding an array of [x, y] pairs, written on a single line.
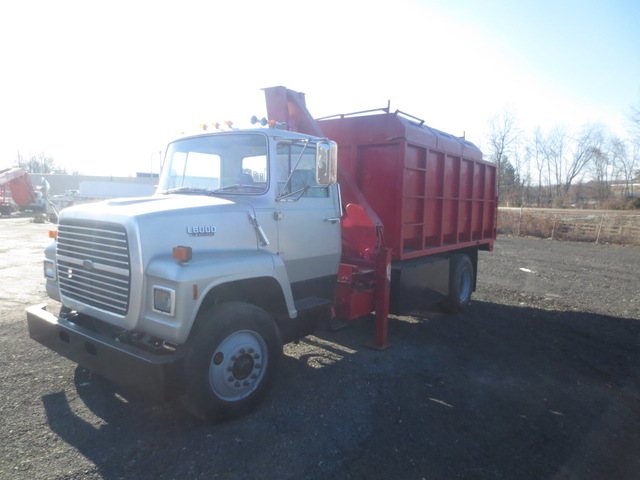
{"points": [[231, 361]]}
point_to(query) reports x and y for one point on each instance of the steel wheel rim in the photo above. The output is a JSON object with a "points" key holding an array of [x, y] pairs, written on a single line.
{"points": [[238, 365]]}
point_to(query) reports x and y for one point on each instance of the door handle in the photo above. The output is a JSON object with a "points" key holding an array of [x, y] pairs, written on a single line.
{"points": [[332, 220]]}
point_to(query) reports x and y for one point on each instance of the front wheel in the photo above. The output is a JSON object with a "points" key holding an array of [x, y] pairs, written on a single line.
{"points": [[231, 360], [460, 283]]}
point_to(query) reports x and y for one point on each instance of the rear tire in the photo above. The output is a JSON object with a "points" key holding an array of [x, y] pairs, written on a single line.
{"points": [[231, 361], [460, 283]]}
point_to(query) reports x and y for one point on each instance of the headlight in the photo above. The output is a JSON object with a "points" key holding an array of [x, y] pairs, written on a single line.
{"points": [[164, 300], [50, 270]]}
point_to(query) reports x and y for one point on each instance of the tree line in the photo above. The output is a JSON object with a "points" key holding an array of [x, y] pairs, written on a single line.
{"points": [[40, 163], [588, 168]]}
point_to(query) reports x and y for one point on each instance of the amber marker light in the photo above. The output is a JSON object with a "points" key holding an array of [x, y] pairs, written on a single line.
{"points": [[53, 234], [184, 254]]}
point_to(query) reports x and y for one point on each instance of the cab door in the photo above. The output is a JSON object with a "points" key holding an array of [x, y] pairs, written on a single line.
{"points": [[308, 222]]}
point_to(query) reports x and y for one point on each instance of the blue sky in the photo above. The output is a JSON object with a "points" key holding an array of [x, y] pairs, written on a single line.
{"points": [[102, 87], [587, 49]]}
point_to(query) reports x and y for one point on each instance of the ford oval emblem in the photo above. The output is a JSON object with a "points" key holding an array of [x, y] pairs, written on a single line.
{"points": [[88, 264]]}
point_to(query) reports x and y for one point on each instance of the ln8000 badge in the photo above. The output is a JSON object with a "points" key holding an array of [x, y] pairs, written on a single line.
{"points": [[201, 231]]}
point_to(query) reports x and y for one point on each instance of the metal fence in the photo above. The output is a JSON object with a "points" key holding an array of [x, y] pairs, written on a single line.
{"points": [[601, 226]]}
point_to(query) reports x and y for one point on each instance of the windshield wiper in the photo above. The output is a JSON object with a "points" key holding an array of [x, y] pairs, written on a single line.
{"points": [[189, 190], [236, 186]]}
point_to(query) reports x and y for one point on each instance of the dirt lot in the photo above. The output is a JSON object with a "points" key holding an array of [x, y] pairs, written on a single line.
{"points": [[538, 380]]}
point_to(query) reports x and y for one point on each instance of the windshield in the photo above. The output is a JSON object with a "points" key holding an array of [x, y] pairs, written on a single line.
{"points": [[232, 163]]}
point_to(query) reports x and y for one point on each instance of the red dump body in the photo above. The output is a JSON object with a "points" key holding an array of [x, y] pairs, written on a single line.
{"points": [[431, 191], [409, 193]]}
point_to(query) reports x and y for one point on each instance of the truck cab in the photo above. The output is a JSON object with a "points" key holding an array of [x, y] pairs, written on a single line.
{"points": [[279, 205], [246, 222]]}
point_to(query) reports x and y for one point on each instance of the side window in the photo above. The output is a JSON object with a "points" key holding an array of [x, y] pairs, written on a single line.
{"points": [[255, 168], [303, 175]]}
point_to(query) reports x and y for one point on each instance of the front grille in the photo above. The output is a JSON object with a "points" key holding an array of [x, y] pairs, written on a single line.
{"points": [[94, 265]]}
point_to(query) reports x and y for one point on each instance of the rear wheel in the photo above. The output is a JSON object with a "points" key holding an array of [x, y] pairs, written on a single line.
{"points": [[231, 361], [460, 283]]}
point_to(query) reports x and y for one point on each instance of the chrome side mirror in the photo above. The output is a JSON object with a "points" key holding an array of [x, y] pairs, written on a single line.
{"points": [[327, 163]]}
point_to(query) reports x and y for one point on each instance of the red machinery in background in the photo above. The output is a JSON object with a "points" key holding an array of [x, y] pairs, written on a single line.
{"points": [[16, 182]]}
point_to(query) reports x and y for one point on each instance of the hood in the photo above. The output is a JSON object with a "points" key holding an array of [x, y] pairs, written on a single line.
{"points": [[155, 204], [161, 221], [152, 227]]}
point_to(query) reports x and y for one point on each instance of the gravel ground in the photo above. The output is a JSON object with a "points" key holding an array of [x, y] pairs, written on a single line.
{"points": [[538, 380]]}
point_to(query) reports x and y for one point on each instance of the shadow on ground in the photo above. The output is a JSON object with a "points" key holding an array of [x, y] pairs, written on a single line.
{"points": [[499, 392]]}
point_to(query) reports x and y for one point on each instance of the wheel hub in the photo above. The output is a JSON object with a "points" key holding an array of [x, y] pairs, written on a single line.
{"points": [[243, 367], [236, 367]]}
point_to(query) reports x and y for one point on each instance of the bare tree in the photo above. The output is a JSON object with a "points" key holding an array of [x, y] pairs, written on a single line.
{"points": [[504, 139], [636, 159], [602, 170], [634, 121], [537, 153], [555, 149], [625, 161], [586, 147], [40, 163], [561, 159], [634, 133]]}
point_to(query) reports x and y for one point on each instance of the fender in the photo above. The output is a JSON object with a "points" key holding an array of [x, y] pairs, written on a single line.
{"points": [[193, 280]]}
